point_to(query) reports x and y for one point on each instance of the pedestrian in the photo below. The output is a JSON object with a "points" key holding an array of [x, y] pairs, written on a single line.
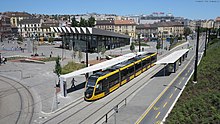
{"points": [[4, 60], [73, 83]]}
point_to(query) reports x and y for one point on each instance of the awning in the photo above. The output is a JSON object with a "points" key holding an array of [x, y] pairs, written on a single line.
{"points": [[102, 65], [173, 57]]}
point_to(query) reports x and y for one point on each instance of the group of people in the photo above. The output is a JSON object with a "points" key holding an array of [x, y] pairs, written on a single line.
{"points": [[72, 82]]}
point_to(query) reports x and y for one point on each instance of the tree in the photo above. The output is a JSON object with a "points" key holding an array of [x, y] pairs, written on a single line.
{"points": [[186, 32], [83, 23], [132, 47], [91, 22], [80, 55], [103, 49], [158, 46], [58, 68], [74, 22]]}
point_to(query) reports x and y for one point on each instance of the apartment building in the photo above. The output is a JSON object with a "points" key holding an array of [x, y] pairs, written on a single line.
{"points": [[5, 26], [217, 22], [30, 27], [127, 27], [147, 30], [168, 29], [16, 17], [105, 25]]}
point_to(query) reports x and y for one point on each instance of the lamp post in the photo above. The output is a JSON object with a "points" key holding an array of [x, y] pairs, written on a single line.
{"points": [[196, 59], [205, 42], [139, 42]]}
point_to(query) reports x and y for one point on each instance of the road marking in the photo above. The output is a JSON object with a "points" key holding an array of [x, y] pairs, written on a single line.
{"points": [[164, 104], [175, 89], [189, 70], [171, 95], [156, 100], [186, 74], [157, 115], [180, 82], [184, 77], [156, 108]]}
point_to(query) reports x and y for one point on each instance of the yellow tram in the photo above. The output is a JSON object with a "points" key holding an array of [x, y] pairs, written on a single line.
{"points": [[102, 83]]}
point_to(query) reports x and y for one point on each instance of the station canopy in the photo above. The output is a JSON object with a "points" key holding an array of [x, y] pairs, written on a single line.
{"points": [[102, 65], [86, 31], [173, 57]]}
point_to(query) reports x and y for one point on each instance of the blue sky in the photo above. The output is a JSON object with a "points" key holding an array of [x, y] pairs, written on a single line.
{"points": [[192, 9]]}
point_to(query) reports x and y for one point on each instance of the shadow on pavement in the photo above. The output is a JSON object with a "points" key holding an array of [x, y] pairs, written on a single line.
{"points": [[77, 87], [161, 73]]}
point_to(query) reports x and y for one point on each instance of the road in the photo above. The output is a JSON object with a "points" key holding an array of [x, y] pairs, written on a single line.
{"points": [[16, 103], [158, 110]]}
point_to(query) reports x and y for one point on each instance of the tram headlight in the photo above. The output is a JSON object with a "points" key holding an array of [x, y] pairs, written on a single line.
{"points": [[87, 95]]}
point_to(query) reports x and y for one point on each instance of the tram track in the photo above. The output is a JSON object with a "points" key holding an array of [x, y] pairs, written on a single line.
{"points": [[99, 108], [102, 106], [23, 92], [71, 107]]}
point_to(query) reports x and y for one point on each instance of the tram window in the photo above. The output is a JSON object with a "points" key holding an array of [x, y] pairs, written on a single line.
{"points": [[148, 61], [144, 62], [138, 66], [153, 59], [99, 88], [113, 79], [91, 81], [124, 73], [131, 69]]}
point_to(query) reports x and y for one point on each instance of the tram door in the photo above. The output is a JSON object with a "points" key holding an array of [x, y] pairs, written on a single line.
{"points": [[106, 86]]}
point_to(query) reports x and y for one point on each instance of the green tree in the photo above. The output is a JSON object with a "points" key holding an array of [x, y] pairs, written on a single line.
{"points": [[83, 22], [158, 46], [58, 68], [91, 22], [50, 40], [132, 47], [80, 55], [186, 32], [103, 50], [74, 22]]}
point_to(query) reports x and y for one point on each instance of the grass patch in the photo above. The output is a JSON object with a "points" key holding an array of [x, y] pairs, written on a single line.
{"points": [[200, 103], [176, 44], [48, 59], [72, 66], [142, 44]]}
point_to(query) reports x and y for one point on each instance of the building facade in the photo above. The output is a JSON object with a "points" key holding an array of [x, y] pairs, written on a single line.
{"points": [[147, 30], [170, 29], [217, 23], [5, 26], [127, 27], [30, 27]]}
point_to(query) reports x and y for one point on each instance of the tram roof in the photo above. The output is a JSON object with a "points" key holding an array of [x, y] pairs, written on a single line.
{"points": [[86, 30], [173, 57], [102, 65]]}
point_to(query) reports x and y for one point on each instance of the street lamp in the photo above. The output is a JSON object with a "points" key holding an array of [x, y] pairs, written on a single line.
{"points": [[196, 59], [139, 42]]}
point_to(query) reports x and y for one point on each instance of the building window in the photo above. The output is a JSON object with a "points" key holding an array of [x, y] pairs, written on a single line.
{"points": [[14, 21]]}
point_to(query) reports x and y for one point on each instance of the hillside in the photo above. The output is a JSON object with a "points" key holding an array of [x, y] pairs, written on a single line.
{"points": [[200, 103]]}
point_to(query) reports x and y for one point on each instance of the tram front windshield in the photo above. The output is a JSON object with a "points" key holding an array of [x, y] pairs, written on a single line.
{"points": [[91, 82]]}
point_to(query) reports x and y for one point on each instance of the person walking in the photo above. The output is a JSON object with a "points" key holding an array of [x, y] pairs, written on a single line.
{"points": [[73, 83]]}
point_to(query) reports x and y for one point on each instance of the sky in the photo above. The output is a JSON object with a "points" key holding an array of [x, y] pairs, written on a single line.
{"points": [[191, 9]]}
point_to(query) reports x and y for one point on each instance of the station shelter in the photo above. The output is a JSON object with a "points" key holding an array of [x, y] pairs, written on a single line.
{"points": [[174, 60], [77, 37]]}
